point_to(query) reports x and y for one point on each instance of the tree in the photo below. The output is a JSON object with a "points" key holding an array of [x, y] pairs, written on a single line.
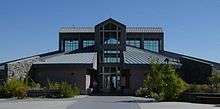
{"points": [[163, 82], [215, 81]]}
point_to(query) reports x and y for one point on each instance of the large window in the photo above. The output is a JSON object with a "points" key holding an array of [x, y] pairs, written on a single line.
{"points": [[71, 45], [135, 43], [87, 43], [152, 45]]}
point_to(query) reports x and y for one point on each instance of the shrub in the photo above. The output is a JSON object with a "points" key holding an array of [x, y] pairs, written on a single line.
{"points": [[215, 82], [141, 92], [53, 86], [14, 88], [163, 83], [4, 93], [196, 88], [32, 84], [65, 89]]}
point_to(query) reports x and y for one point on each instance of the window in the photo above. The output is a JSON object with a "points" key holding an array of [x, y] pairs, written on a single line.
{"points": [[111, 56], [152, 45], [111, 51], [71, 45], [111, 60], [87, 43], [135, 43]]}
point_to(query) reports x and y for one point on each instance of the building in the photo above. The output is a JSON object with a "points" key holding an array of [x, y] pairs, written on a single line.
{"points": [[110, 57]]}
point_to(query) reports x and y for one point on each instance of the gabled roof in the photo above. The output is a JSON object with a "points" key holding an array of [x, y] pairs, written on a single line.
{"points": [[110, 20], [128, 30]]}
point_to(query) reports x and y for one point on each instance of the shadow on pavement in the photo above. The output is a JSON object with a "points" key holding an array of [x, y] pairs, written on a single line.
{"points": [[137, 101], [217, 105]]}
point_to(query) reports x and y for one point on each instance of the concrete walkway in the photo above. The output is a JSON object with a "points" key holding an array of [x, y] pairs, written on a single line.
{"points": [[99, 102]]}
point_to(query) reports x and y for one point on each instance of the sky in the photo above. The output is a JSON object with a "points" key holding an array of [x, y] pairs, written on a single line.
{"points": [[28, 27]]}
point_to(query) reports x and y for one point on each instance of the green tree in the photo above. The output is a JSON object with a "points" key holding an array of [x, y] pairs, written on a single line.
{"points": [[163, 82], [215, 82]]}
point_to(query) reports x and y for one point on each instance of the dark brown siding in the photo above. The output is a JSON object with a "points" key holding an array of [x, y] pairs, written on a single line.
{"points": [[73, 74]]}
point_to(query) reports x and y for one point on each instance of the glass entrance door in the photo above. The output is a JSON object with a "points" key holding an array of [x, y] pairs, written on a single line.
{"points": [[111, 82], [110, 79]]}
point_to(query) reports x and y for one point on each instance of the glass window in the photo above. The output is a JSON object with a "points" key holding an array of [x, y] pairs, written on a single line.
{"points": [[111, 60], [152, 45], [111, 51], [135, 43], [111, 56], [87, 43], [71, 45]]}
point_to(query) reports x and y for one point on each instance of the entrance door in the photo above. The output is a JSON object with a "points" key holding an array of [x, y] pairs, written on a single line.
{"points": [[110, 79], [111, 82]]}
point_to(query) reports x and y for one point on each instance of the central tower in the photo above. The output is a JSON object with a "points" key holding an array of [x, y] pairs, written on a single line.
{"points": [[110, 42]]}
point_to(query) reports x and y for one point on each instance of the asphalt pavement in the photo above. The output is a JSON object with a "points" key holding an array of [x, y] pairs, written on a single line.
{"points": [[99, 102], [107, 102]]}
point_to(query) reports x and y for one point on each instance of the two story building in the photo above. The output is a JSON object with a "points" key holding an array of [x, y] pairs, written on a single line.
{"points": [[110, 58]]}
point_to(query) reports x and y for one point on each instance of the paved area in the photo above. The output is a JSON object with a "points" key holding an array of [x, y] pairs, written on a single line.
{"points": [[99, 102], [106, 102]]}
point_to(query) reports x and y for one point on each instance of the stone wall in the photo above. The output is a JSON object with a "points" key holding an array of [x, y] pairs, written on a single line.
{"points": [[20, 68], [2, 74]]}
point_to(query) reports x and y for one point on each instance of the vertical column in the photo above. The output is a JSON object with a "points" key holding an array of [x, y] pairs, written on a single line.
{"points": [[161, 43], [142, 41], [80, 42]]}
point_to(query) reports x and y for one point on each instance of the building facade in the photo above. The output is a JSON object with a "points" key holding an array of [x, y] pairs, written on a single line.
{"points": [[109, 58]]}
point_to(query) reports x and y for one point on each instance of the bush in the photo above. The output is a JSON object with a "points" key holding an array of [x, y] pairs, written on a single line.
{"points": [[65, 90], [32, 84], [142, 92], [163, 83], [14, 88], [53, 86], [4, 93], [215, 82], [196, 88]]}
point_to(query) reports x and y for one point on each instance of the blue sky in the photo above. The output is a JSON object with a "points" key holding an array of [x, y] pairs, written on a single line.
{"points": [[28, 27]]}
